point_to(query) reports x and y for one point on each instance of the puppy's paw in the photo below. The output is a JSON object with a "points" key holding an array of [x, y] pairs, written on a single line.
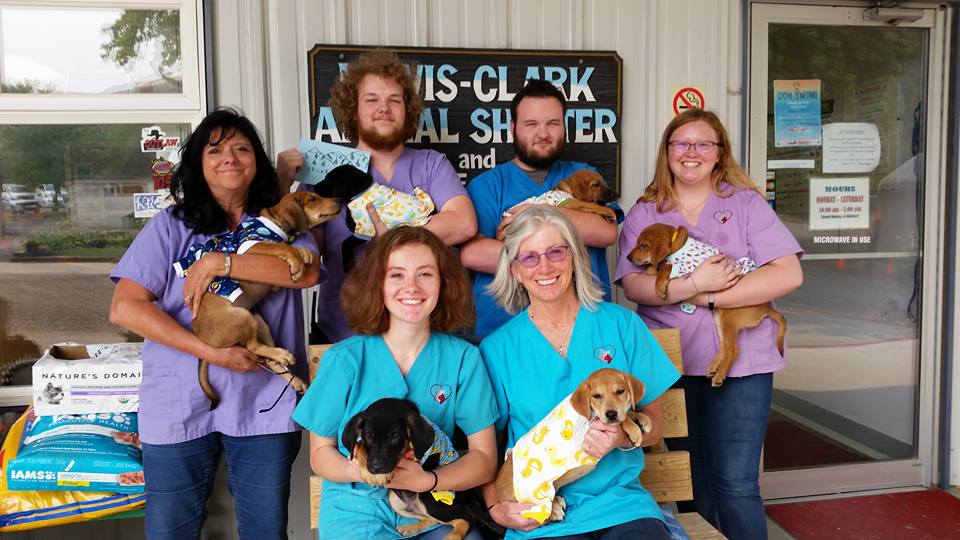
{"points": [[298, 385], [646, 425], [305, 255], [558, 510], [716, 373], [609, 215], [662, 289], [378, 480], [409, 530], [296, 270], [284, 357]]}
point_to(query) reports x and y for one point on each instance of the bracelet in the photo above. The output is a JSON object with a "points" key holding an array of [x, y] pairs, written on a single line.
{"points": [[435, 480], [694, 282], [227, 262], [710, 302]]}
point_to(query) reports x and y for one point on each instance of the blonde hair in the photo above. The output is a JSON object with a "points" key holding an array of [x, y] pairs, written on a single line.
{"points": [[727, 170], [509, 292]]}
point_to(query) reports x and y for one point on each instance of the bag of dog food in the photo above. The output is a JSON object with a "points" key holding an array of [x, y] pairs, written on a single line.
{"points": [[78, 452], [26, 510]]}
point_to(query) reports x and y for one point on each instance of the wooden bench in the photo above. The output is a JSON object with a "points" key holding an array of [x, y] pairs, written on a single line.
{"points": [[666, 474]]}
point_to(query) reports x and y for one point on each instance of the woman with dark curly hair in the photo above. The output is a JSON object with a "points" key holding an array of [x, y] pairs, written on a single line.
{"points": [[401, 300], [223, 178], [377, 106]]}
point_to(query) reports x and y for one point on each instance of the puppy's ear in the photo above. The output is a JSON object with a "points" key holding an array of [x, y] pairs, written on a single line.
{"points": [[351, 433], [637, 389], [580, 400], [289, 211], [680, 239], [419, 431]]}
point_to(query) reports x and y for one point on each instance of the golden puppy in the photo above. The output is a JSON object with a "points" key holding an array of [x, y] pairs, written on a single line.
{"points": [[222, 323], [550, 455], [584, 190], [590, 194], [655, 245]]}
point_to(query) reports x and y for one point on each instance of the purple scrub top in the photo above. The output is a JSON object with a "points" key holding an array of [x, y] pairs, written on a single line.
{"points": [[173, 408], [741, 225], [427, 169]]}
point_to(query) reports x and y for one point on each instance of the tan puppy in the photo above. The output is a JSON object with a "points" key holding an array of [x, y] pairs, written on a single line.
{"points": [[590, 194], [224, 324], [608, 395], [657, 242], [584, 190]]}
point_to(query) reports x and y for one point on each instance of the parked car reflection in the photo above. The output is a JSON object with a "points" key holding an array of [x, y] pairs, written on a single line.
{"points": [[18, 198], [47, 197]]}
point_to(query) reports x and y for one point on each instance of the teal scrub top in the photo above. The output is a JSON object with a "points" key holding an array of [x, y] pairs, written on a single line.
{"points": [[448, 382], [529, 378]]}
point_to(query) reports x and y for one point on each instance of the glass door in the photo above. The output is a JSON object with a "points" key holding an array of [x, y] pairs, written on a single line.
{"points": [[844, 129]]}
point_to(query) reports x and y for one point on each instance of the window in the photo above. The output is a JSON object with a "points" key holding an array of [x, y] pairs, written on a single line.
{"points": [[79, 83]]}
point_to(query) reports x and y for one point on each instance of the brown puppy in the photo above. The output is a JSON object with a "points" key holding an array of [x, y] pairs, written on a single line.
{"points": [[657, 242], [224, 324], [590, 194], [608, 395], [584, 190]]}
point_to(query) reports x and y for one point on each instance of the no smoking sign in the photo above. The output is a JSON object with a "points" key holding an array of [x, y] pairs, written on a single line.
{"points": [[687, 98]]}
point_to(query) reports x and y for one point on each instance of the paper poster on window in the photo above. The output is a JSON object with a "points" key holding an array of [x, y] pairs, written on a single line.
{"points": [[147, 205], [796, 113], [839, 203], [850, 147]]}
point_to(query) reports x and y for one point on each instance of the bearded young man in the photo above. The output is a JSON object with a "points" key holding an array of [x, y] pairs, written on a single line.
{"points": [[376, 104], [538, 124]]}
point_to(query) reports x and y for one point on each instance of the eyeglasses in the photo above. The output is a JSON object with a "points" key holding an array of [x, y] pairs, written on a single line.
{"points": [[530, 259], [701, 147]]}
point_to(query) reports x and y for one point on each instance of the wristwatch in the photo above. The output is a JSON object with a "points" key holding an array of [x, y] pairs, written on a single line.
{"points": [[710, 301]]}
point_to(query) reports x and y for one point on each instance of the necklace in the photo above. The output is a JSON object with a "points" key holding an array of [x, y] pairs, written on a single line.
{"points": [[691, 211], [562, 345]]}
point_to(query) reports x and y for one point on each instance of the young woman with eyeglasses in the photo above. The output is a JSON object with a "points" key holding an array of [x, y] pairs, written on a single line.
{"points": [[561, 333], [697, 184]]}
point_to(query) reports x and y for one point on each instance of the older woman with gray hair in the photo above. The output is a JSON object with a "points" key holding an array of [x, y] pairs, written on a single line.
{"points": [[561, 333]]}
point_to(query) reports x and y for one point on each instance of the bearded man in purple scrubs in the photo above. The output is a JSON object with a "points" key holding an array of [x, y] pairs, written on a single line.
{"points": [[376, 104]]}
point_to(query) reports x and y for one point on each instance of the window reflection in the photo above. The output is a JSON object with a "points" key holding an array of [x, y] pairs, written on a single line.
{"points": [[89, 51], [66, 217]]}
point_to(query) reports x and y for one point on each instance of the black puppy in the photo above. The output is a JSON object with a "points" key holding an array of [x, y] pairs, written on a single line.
{"points": [[345, 183], [379, 437]]}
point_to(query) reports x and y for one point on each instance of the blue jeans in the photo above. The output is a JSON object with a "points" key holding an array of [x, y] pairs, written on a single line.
{"points": [[727, 426], [638, 529], [179, 479]]}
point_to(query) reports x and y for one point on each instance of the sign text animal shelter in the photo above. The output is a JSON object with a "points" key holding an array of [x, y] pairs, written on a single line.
{"points": [[467, 95]]}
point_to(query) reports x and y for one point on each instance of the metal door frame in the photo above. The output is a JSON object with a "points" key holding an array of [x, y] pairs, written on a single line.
{"points": [[889, 474]]}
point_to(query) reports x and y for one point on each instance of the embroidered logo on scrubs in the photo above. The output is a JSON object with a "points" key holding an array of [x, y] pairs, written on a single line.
{"points": [[440, 393], [605, 354], [723, 216]]}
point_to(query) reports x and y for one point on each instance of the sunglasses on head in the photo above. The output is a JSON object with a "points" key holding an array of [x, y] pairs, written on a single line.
{"points": [[530, 259]]}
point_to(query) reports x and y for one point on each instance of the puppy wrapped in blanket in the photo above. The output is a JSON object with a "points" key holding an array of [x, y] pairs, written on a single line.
{"points": [[670, 252], [356, 189], [224, 318], [391, 429], [550, 455], [584, 190]]}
